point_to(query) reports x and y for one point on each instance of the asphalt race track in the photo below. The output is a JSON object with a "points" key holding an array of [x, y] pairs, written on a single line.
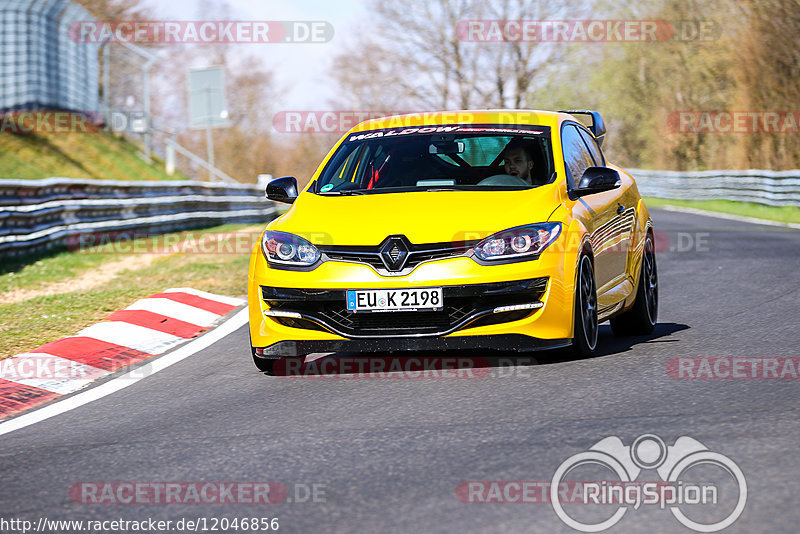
{"points": [[388, 455]]}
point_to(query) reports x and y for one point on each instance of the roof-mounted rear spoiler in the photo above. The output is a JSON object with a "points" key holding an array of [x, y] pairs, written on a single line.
{"points": [[597, 126]]}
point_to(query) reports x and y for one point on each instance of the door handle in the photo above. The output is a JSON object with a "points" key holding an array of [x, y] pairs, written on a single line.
{"points": [[620, 209]]}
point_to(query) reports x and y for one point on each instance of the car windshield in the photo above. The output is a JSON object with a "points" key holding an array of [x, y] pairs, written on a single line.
{"points": [[458, 157]]}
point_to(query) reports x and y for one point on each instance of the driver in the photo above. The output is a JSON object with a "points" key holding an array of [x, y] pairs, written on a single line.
{"points": [[518, 159]]}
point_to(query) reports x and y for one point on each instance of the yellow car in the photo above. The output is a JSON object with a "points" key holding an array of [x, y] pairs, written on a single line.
{"points": [[498, 229]]}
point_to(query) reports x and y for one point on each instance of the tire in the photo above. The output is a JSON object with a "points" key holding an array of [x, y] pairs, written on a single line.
{"points": [[641, 319], [263, 364], [584, 340]]}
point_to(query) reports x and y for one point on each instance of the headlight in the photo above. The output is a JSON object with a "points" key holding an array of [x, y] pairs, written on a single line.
{"points": [[287, 249], [520, 242]]}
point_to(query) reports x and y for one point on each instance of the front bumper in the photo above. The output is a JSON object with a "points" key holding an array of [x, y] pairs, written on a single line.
{"points": [[317, 320], [465, 306]]}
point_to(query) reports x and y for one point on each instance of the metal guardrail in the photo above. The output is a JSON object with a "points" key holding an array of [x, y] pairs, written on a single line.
{"points": [[775, 188], [37, 215]]}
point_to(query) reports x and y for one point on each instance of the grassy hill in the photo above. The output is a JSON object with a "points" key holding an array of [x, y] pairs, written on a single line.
{"points": [[99, 155]]}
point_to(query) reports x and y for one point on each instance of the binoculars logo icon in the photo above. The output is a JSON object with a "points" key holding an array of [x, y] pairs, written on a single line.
{"points": [[648, 452]]}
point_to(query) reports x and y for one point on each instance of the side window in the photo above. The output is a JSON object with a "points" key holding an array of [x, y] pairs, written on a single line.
{"points": [[599, 161], [576, 156]]}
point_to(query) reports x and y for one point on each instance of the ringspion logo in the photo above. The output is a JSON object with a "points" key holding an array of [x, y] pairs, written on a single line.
{"points": [[673, 464]]}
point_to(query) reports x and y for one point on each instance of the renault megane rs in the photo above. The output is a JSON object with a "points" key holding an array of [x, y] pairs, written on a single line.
{"points": [[501, 229]]}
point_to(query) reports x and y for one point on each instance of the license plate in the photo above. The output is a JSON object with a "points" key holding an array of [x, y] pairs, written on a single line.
{"points": [[390, 300]]}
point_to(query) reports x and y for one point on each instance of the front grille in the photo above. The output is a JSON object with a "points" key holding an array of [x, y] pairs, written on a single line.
{"points": [[379, 323], [417, 254], [464, 307]]}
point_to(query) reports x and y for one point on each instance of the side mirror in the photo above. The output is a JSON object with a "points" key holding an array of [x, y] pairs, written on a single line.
{"points": [[283, 189], [596, 180]]}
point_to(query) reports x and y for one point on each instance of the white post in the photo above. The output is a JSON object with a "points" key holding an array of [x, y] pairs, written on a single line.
{"points": [[170, 157], [209, 137]]}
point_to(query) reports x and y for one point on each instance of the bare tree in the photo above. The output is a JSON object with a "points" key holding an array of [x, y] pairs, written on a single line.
{"points": [[368, 78], [767, 56], [433, 65], [114, 9]]}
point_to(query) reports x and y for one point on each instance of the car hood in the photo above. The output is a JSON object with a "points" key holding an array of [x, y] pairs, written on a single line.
{"points": [[423, 217]]}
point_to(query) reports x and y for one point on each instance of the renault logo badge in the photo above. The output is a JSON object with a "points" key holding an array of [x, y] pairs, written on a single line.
{"points": [[394, 253]]}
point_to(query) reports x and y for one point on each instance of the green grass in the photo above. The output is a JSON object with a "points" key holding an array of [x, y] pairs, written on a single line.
{"points": [[41, 319], [100, 155], [25, 273], [785, 214]]}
